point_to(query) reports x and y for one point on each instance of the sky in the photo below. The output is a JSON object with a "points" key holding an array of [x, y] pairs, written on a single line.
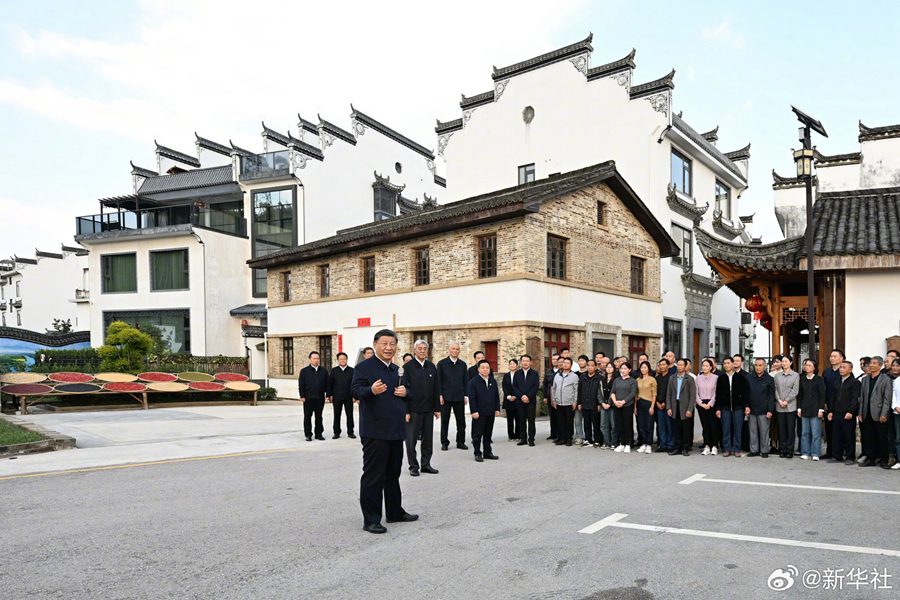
{"points": [[86, 87]]}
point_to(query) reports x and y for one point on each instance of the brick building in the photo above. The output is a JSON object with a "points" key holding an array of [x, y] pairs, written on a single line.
{"points": [[571, 260]]}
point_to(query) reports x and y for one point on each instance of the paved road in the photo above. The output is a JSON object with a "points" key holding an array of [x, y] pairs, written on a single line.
{"points": [[286, 524]]}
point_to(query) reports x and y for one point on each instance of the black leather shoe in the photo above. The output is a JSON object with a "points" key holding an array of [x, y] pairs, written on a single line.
{"points": [[462, 446], [521, 443], [309, 438], [319, 437], [765, 455], [491, 456], [552, 438], [559, 443], [406, 518], [414, 472], [868, 463], [445, 447], [351, 436], [753, 454], [568, 442], [375, 528], [479, 459], [660, 449], [686, 453], [849, 462], [430, 469], [531, 443], [674, 452], [336, 436]]}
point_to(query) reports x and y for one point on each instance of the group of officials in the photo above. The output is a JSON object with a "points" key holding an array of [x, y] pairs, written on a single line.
{"points": [[595, 403]]}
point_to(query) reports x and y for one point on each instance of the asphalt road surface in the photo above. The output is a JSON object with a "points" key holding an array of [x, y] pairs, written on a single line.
{"points": [[287, 524]]}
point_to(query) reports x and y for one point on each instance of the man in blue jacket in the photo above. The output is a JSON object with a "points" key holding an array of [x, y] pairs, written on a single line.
{"points": [[484, 404], [526, 383], [382, 429]]}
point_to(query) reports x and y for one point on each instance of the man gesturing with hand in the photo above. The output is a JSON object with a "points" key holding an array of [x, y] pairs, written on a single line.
{"points": [[382, 429]]}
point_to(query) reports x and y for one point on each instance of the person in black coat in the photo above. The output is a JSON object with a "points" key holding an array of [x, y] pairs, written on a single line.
{"points": [[382, 430], [546, 386], [453, 378], [732, 389], [842, 413], [484, 403], [420, 380], [313, 385], [473, 370], [339, 394], [509, 402], [589, 403], [526, 383]]}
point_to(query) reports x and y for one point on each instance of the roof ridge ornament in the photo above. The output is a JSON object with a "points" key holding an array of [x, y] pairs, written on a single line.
{"points": [[618, 69], [685, 208], [711, 136], [542, 60], [385, 183], [869, 134], [741, 154]]}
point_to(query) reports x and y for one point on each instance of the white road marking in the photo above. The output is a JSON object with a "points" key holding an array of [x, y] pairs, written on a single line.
{"points": [[703, 479], [614, 520]]}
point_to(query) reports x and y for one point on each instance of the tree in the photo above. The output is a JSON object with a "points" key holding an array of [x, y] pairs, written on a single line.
{"points": [[60, 327], [125, 349], [161, 346]]}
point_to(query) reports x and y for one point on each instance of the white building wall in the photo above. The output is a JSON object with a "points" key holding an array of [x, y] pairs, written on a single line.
{"points": [[880, 163], [835, 178], [45, 290], [871, 312]]}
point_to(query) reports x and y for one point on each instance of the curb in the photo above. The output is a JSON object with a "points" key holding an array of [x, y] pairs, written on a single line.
{"points": [[52, 440]]}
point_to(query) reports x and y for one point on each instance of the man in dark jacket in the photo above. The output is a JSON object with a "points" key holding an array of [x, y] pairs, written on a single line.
{"points": [[546, 386], [664, 424], [382, 429], [832, 376], [589, 404], [760, 405], [473, 370], [484, 404], [339, 394], [874, 410], [731, 399], [842, 410], [681, 398], [313, 385], [526, 383], [453, 379], [509, 401], [420, 380]]}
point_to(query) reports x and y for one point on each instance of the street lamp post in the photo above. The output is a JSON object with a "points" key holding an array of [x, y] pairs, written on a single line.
{"points": [[805, 158]]}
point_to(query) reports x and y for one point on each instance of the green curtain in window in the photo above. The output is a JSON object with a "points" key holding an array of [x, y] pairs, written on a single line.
{"points": [[169, 270], [122, 276]]}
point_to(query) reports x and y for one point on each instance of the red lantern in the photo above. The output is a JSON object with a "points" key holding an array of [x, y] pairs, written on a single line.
{"points": [[754, 304], [758, 316]]}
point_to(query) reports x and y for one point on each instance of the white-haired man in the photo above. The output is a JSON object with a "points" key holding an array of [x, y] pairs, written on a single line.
{"points": [[422, 401]]}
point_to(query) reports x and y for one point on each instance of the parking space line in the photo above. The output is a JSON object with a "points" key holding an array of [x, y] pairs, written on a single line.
{"points": [[703, 479], [615, 520]]}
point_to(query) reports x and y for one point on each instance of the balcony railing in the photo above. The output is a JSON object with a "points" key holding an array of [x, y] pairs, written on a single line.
{"points": [[270, 164], [199, 216]]}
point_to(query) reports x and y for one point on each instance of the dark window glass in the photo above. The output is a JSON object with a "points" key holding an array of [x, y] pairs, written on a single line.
{"points": [[556, 257], [487, 256], [369, 274], [325, 351], [273, 229], [723, 199], [286, 284], [601, 213], [423, 270], [637, 275], [385, 204], [169, 270], [119, 273], [672, 336], [325, 281], [526, 174], [175, 325], [684, 238], [723, 344], [681, 172], [287, 356]]}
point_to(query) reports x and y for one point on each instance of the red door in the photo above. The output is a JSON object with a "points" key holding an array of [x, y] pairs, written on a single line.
{"points": [[490, 354]]}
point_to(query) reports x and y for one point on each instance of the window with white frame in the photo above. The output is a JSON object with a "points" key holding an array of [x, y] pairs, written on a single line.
{"points": [[684, 238]]}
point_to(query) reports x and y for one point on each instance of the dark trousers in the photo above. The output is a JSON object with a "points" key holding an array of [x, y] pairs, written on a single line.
{"points": [[554, 421], [645, 422], [512, 422], [826, 435], [684, 430], [459, 411], [591, 420], [339, 406], [625, 423], [419, 423], [482, 429], [875, 444], [382, 460], [843, 435], [526, 414], [565, 422], [712, 426], [787, 431], [313, 406]]}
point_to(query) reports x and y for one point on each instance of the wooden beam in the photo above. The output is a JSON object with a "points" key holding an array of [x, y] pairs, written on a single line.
{"points": [[776, 320], [839, 314], [826, 322]]}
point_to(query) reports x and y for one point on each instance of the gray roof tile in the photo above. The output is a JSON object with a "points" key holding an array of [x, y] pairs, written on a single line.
{"points": [[196, 178]]}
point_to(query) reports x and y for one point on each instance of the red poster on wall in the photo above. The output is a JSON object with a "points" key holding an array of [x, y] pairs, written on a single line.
{"points": [[340, 343], [364, 322]]}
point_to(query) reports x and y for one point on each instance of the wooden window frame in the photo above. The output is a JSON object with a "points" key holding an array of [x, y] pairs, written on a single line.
{"points": [[325, 351], [286, 284], [486, 246], [324, 281], [602, 215], [556, 257], [639, 285], [368, 281], [287, 356], [422, 256]]}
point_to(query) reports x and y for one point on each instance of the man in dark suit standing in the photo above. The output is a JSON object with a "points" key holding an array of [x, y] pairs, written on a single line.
{"points": [[484, 403], [340, 396], [313, 385], [526, 383], [382, 429], [420, 379], [547, 386], [473, 370], [452, 381]]}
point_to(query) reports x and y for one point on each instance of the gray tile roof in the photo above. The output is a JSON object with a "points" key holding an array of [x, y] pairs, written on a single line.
{"points": [[449, 126], [529, 196], [837, 159], [336, 131], [742, 154], [710, 136], [537, 62], [652, 87], [249, 310], [868, 134], [307, 125], [698, 139], [141, 171], [779, 182], [612, 68], [779, 256], [387, 131], [290, 141], [253, 331], [41, 254], [177, 156], [196, 178], [476, 100], [239, 150], [212, 146], [441, 181]]}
